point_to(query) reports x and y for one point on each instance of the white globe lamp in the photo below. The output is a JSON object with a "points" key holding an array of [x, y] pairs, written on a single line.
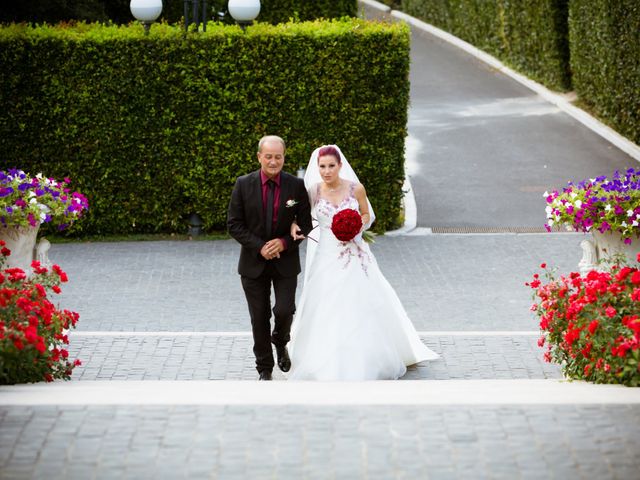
{"points": [[147, 11], [244, 11]]}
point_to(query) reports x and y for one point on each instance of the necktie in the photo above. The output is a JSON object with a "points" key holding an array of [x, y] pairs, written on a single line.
{"points": [[269, 210]]}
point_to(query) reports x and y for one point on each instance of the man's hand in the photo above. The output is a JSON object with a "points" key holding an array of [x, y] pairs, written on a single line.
{"points": [[272, 249]]}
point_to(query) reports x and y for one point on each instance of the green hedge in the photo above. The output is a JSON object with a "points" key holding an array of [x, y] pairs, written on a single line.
{"points": [[153, 128], [529, 36], [605, 59]]}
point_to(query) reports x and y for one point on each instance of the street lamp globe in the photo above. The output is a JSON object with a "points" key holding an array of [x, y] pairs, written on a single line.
{"points": [[244, 11], [147, 11]]}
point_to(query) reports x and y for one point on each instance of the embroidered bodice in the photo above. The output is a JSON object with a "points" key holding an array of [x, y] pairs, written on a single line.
{"points": [[325, 209]]}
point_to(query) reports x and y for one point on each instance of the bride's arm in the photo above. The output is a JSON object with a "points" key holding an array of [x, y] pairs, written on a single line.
{"points": [[361, 196]]}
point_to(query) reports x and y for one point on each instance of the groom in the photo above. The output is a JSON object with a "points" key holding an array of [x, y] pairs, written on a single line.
{"points": [[263, 206]]}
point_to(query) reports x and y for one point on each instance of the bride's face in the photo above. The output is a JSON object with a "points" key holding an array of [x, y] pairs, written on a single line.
{"points": [[329, 168]]}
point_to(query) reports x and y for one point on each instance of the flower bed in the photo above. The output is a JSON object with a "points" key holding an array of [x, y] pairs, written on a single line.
{"points": [[591, 323], [608, 205], [32, 329]]}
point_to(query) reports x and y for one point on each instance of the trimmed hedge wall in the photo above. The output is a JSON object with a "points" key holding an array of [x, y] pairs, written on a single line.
{"points": [[152, 128], [605, 59], [530, 36]]}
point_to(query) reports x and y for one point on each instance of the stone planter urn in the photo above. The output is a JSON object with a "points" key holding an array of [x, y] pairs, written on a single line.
{"points": [[22, 243], [604, 246]]}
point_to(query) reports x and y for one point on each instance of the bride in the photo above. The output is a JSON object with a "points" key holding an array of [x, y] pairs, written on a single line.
{"points": [[350, 324]]}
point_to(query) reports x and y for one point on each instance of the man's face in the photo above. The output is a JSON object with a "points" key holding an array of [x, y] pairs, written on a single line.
{"points": [[271, 158]]}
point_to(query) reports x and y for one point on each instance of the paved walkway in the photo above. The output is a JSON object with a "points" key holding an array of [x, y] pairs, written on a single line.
{"points": [[161, 320]]}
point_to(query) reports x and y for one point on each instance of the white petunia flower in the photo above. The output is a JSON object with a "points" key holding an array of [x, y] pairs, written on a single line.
{"points": [[629, 213], [548, 209], [578, 203], [608, 208]]}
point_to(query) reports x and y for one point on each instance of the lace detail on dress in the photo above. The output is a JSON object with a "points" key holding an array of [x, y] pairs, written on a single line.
{"points": [[348, 252]]}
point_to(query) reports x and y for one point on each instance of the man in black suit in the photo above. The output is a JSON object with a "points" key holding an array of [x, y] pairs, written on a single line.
{"points": [[263, 206]]}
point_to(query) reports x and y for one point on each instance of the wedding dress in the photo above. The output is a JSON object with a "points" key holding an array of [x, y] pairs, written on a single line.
{"points": [[350, 324]]}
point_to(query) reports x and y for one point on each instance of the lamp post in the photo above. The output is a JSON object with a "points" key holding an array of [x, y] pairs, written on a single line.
{"points": [[244, 11], [195, 11], [147, 11]]}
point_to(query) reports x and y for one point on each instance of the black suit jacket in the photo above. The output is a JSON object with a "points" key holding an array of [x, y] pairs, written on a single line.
{"points": [[246, 223]]}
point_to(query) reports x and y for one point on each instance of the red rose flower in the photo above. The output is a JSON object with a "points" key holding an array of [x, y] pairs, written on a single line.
{"points": [[346, 224]]}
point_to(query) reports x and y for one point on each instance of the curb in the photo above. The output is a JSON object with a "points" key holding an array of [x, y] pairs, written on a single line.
{"points": [[409, 199]]}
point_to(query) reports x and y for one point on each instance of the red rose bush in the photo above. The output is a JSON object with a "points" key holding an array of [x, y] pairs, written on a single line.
{"points": [[591, 323], [346, 224], [32, 329]]}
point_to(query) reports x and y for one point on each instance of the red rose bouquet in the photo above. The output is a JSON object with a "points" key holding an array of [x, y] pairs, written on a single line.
{"points": [[591, 323], [346, 224]]}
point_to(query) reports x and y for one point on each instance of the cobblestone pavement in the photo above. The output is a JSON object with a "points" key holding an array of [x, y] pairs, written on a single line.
{"points": [[198, 357], [294, 442], [446, 282]]}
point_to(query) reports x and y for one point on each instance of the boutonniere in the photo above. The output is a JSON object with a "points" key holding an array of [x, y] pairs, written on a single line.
{"points": [[291, 202]]}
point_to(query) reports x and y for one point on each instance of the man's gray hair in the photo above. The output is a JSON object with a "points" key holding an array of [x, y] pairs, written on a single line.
{"points": [[271, 138]]}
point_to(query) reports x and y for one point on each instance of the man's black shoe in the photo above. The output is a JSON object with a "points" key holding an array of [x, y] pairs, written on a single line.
{"points": [[265, 375], [284, 362]]}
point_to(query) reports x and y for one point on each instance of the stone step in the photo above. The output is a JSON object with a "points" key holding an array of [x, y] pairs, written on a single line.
{"points": [[319, 442], [416, 392]]}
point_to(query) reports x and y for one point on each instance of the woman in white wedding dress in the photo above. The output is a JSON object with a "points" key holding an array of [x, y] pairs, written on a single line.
{"points": [[350, 324]]}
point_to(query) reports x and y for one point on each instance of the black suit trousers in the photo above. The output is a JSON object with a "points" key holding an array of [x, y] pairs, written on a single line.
{"points": [[258, 294]]}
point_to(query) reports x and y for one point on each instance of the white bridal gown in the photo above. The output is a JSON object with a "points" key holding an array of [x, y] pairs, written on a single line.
{"points": [[350, 324]]}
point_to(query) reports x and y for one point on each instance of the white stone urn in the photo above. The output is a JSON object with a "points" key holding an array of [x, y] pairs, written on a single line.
{"points": [[22, 241], [604, 246]]}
